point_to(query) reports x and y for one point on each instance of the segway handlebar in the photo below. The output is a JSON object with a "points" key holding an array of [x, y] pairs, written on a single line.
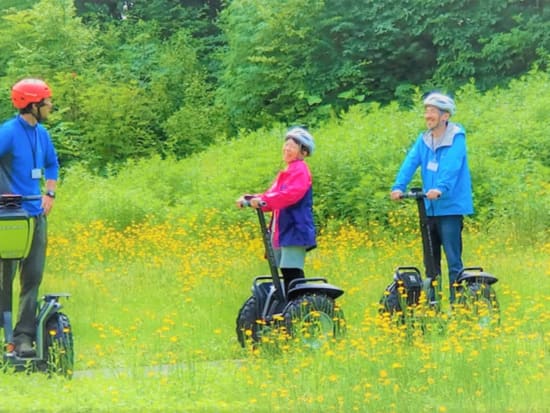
{"points": [[15, 200], [246, 203], [415, 193]]}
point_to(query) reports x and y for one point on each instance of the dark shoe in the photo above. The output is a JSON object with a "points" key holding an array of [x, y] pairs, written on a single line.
{"points": [[24, 348]]}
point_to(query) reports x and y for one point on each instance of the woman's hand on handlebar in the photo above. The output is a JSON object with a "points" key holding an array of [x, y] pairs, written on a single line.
{"points": [[256, 202], [250, 200], [241, 202]]}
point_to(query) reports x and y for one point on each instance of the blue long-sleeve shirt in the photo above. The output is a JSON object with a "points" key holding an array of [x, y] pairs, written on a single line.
{"points": [[24, 148], [444, 166]]}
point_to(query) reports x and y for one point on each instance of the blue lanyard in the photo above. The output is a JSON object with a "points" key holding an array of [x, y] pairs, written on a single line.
{"points": [[29, 138]]}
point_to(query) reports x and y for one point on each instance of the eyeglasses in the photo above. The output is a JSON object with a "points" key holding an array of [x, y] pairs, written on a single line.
{"points": [[46, 102]]}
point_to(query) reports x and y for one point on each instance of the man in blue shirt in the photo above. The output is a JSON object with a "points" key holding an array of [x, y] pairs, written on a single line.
{"points": [[440, 152], [28, 162]]}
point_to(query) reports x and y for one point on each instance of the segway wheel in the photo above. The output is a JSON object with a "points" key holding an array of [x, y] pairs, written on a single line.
{"points": [[248, 328], [479, 301], [314, 319], [59, 345]]}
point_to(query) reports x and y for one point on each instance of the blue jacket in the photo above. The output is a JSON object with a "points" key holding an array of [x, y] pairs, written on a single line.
{"points": [[296, 225], [443, 166], [23, 148]]}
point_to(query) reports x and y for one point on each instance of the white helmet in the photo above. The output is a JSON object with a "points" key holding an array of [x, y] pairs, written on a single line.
{"points": [[303, 137], [440, 101]]}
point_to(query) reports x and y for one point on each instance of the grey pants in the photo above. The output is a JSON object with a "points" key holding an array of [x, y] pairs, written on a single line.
{"points": [[31, 271]]}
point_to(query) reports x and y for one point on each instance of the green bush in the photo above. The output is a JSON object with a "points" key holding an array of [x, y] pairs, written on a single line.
{"points": [[353, 167]]}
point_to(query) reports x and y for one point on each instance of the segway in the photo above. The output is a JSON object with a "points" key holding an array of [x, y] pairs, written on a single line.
{"points": [[307, 309], [473, 289], [54, 353]]}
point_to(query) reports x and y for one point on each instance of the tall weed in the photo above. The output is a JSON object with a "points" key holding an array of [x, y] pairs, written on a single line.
{"points": [[357, 157]]}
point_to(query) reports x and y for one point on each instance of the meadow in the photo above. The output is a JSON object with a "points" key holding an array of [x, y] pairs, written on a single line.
{"points": [[153, 309], [158, 261]]}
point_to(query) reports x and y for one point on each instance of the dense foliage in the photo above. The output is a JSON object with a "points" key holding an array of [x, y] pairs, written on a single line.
{"points": [[343, 52], [354, 166], [171, 77]]}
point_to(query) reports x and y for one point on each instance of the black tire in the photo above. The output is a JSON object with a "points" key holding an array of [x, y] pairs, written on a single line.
{"points": [[398, 308], [314, 318], [480, 302], [59, 345], [247, 325], [389, 303]]}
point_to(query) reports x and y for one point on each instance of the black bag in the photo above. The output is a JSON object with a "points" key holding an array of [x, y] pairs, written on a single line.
{"points": [[405, 289]]}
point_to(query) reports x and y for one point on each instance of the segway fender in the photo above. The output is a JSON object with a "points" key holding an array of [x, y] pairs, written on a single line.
{"points": [[480, 278], [314, 288], [476, 275], [262, 288]]}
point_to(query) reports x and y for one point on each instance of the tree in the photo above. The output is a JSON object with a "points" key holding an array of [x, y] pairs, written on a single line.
{"points": [[188, 116], [48, 41], [293, 59], [269, 60]]}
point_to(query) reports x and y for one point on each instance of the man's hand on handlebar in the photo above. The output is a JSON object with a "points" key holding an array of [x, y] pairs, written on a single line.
{"points": [[433, 194], [396, 195]]}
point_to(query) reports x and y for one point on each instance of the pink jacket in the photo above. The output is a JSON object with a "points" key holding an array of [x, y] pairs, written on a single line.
{"points": [[291, 200]]}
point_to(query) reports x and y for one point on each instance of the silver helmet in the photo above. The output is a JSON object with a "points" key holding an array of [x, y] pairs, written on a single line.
{"points": [[303, 137], [440, 101]]}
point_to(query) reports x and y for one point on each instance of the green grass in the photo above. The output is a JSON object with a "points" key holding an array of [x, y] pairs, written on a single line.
{"points": [[153, 311]]}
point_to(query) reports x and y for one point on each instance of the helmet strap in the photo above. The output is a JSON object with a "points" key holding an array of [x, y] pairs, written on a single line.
{"points": [[30, 112], [37, 114]]}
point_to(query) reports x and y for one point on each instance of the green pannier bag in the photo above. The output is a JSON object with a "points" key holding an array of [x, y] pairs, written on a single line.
{"points": [[16, 232]]}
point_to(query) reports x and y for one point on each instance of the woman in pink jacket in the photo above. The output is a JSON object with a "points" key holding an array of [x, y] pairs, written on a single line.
{"points": [[290, 198]]}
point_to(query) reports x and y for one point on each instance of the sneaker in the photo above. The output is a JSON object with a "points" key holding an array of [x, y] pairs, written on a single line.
{"points": [[24, 347]]}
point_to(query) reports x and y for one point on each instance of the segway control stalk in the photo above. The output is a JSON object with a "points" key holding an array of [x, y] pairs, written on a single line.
{"points": [[270, 254]]}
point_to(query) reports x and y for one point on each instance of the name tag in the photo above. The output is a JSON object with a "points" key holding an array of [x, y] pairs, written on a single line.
{"points": [[432, 166], [36, 173]]}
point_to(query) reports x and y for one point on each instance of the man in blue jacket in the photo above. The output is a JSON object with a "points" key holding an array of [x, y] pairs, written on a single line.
{"points": [[28, 162], [440, 152]]}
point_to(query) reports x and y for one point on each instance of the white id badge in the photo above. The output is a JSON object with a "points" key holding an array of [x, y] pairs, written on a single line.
{"points": [[432, 166], [36, 173]]}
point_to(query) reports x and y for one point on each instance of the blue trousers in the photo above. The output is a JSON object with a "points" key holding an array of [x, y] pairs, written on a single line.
{"points": [[446, 233]]}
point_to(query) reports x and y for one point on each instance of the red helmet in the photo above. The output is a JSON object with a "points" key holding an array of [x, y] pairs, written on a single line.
{"points": [[29, 91]]}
